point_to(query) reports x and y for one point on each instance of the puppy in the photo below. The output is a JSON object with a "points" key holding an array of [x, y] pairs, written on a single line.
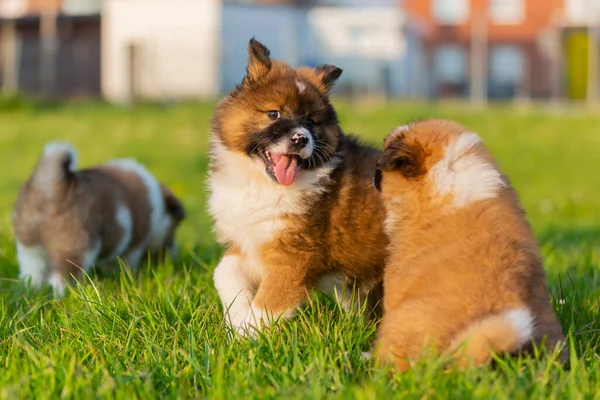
{"points": [[291, 196], [464, 273], [66, 221]]}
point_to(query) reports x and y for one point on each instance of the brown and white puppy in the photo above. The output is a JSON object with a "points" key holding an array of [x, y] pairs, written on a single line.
{"points": [[463, 266], [291, 195], [66, 221]]}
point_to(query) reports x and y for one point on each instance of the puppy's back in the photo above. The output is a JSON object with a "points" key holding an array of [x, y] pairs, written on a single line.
{"points": [[463, 259]]}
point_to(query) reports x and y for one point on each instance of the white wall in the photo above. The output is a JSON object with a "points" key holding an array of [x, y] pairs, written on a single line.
{"points": [[582, 12], [178, 42]]}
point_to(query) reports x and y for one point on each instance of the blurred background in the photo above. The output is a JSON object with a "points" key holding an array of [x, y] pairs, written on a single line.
{"points": [[474, 50]]}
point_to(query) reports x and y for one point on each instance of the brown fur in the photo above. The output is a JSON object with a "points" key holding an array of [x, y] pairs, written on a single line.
{"points": [[453, 271], [71, 216], [333, 227]]}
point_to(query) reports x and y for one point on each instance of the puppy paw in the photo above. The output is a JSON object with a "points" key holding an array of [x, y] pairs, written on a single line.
{"points": [[250, 324]]}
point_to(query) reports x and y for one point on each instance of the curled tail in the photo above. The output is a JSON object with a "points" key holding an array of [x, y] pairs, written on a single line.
{"points": [[54, 167], [506, 332]]}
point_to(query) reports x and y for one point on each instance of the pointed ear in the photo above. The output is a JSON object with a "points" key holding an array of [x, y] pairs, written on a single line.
{"points": [[323, 77], [406, 158], [173, 205], [259, 62]]}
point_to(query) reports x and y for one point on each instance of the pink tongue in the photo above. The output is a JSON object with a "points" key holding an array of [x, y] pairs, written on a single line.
{"points": [[285, 170]]}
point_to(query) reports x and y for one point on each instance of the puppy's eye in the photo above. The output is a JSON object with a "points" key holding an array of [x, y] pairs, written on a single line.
{"points": [[274, 114], [310, 124]]}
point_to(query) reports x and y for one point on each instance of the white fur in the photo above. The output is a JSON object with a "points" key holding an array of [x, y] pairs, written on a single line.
{"points": [[301, 86], [234, 290], [285, 145], [33, 264], [249, 208], [467, 177], [49, 172], [159, 219], [401, 128], [257, 318], [125, 222], [62, 147], [58, 284], [522, 321], [307, 150]]}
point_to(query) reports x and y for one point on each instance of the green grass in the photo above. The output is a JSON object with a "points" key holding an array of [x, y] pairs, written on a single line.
{"points": [[160, 334]]}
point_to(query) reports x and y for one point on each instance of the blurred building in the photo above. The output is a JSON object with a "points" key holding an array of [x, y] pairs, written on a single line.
{"points": [[50, 47], [500, 37], [190, 49], [371, 41], [160, 49]]}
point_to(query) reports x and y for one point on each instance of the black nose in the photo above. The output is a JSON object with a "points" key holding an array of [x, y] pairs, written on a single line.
{"points": [[300, 139]]}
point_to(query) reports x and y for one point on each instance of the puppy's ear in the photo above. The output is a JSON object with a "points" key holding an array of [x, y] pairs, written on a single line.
{"points": [[259, 61], [377, 180], [173, 205], [323, 77], [406, 158]]}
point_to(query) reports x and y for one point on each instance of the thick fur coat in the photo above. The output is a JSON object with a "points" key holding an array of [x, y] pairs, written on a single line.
{"points": [[66, 221], [464, 273], [291, 195]]}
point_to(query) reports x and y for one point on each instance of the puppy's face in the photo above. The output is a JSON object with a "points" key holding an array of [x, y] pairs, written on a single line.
{"points": [[280, 117], [414, 152]]}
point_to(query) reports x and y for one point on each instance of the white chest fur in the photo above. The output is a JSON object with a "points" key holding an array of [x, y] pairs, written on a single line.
{"points": [[249, 208]]}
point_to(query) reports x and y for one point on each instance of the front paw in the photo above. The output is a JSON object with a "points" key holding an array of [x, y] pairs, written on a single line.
{"points": [[250, 324]]}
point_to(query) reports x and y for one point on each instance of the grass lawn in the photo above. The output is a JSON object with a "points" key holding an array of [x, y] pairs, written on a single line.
{"points": [[160, 334]]}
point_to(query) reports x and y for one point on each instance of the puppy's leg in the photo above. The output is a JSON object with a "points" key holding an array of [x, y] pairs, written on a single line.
{"points": [[33, 264], [235, 291], [63, 267], [70, 263], [281, 291], [133, 257]]}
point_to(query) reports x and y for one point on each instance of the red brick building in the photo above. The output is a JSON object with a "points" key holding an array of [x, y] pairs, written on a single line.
{"points": [[510, 36]]}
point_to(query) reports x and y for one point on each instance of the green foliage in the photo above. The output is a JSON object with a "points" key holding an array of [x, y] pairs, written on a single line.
{"points": [[160, 334]]}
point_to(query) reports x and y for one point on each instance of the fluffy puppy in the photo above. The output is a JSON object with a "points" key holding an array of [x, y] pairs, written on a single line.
{"points": [[464, 273], [291, 195], [66, 221]]}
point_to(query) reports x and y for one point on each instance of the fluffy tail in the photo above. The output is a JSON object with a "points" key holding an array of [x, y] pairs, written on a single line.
{"points": [[54, 167], [502, 333]]}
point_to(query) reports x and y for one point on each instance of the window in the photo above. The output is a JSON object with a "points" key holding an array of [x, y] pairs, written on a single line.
{"points": [[450, 64], [581, 11], [451, 12], [13, 8], [507, 12], [506, 65]]}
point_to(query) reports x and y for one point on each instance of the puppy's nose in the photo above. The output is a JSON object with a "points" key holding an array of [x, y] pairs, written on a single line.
{"points": [[300, 139]]}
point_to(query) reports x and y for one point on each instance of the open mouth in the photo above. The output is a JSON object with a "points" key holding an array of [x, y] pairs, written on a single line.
{"points": [[282, 167]]}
